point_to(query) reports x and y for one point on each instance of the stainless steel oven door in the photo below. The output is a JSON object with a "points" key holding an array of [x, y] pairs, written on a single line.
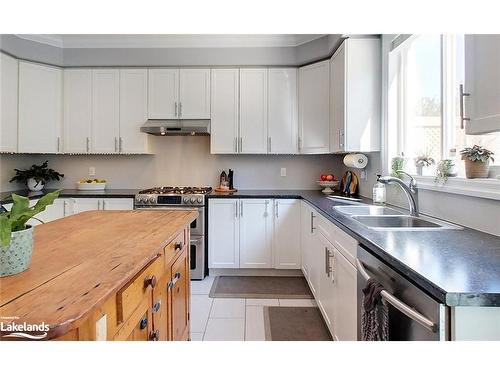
{"points": [[197, 257], [197, 226]]}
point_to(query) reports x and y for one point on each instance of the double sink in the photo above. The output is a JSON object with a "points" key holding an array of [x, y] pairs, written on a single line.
{"points": [[385, 218]]}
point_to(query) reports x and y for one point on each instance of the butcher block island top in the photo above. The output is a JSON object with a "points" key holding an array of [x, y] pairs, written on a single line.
{"points": [[88, 262]]}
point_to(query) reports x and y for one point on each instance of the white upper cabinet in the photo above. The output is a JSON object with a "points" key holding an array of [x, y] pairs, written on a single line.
{"points": [[40, 108], [287, 234], [8, 100], [314, 108], [256, 233], [133, 110], [163, 93], [77, 110], [282, 111], [482, 83], [105, 110], [253, 111], [194, 94], [224, 111], [355, 71], [223, 233]]}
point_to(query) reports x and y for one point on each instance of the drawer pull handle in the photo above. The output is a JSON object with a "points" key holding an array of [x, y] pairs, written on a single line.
{"points": [[151, 280], [157, 306], [154, 335], [178, 246], [144, 323]]}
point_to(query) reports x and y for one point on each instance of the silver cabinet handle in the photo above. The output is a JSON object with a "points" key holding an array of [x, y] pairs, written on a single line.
{"points": [[58, 144], [401, 306], [328, 267], [103, 204], [299, 143], [116, 144], [265, 211], [180, 109], [88, 144], [120, 145], [276, 205], [236, 210], [236, 144], [241, 208], [98, 205], [312, 222], [175, 109], [65, 202], [241, 144], [269, 144], [462, 96]]}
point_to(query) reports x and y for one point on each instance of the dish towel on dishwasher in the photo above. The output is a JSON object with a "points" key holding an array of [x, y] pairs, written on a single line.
{"points": [[375, 314]]}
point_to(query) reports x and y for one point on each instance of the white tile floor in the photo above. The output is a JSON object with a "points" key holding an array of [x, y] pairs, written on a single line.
{"points": [[230, 319]]}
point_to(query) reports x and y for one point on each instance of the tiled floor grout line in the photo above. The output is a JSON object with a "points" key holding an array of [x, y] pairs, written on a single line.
{"points": [[209, 312]]}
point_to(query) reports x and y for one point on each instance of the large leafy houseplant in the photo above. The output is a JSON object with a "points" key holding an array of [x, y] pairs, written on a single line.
{"points": [[36, 176], [477, 160]]}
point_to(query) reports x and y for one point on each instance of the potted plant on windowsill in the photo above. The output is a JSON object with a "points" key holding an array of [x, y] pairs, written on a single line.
{"points": [[477, 161], [16, 236], [423, 161], [37, 176]]}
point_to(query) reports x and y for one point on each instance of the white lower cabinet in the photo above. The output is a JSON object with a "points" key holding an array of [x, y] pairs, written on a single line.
{"points": [[306, 236], [324, 254], [256, 232], [286, 245], [90, 204]]}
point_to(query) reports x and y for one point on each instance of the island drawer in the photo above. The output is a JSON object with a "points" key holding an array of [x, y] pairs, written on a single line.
{"points": [[130, 296], [175, 247]]}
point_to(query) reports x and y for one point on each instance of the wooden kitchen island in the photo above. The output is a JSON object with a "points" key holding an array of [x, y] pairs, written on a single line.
{"points": [[106, 275]]}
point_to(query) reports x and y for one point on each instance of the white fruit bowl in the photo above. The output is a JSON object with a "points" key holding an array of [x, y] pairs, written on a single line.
{"points": [[328, 185], [91, 186]]}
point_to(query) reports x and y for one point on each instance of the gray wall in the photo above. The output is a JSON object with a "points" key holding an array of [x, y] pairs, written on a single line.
{"points": [[180, 161]]}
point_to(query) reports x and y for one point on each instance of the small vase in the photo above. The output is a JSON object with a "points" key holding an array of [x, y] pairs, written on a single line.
{"points": [[16, 257], [476, 169], [33, 185], [419, 169]]}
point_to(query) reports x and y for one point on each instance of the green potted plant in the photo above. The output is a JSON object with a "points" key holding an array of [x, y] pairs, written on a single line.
{"points": [[398, 164], [37, 176], [477, 161], [422, 161], [445, 168], [16, 237]]}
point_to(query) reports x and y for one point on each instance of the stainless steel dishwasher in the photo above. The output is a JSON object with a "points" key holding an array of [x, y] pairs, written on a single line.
{"points": [[413, 314]]}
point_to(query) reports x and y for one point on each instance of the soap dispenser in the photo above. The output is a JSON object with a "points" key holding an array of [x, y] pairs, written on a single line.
{"points": [[379, 192]]}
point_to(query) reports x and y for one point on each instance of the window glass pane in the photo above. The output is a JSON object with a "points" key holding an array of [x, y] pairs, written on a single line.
{"points": [[423, 130]]}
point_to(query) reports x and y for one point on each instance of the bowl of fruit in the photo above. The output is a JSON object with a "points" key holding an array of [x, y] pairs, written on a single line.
{"points": [[91, 184], [329, 183]]}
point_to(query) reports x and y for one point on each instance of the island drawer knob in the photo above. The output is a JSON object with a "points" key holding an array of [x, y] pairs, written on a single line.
{"points": [[151, 280], [177, 246], [144, 323], [154, 335]]}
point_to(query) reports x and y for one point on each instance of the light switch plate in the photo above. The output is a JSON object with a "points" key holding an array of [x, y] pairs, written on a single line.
{"points": [[283, 172]]}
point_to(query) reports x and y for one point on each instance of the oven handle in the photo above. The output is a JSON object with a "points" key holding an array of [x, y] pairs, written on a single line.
{"points": [[197, 240], [401, 306]]}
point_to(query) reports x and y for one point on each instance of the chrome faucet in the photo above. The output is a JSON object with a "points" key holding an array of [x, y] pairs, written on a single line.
{"points": [[409, 190]]}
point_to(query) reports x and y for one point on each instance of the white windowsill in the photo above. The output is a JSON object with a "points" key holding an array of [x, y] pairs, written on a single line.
{"points": [[488, 188]]}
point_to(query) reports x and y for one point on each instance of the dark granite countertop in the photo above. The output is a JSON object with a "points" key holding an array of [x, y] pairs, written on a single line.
{"points": [[108, 193], [456, 267]]}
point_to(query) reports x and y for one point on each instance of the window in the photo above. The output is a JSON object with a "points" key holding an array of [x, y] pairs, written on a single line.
{"points": [[425, 72]]}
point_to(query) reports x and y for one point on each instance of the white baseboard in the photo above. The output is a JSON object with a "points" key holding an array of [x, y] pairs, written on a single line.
{"points": [[252, 272]]}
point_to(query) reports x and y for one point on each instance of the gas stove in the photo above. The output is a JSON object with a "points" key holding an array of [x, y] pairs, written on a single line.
{"points": [[172, 196]]}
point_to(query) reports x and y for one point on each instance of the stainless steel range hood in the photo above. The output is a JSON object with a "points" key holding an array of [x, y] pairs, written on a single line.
{"points": [[176, 127]]}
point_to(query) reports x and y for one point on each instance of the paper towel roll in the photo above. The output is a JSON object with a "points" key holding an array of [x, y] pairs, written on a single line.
{"points": [[359, 161]]}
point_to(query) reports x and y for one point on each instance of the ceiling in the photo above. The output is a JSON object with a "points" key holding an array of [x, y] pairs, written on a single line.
{"points": [[171, 40]]}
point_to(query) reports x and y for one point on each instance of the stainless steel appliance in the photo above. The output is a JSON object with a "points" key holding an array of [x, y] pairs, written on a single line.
{"points": [[413, 314], [176, 127], [181, 198]]}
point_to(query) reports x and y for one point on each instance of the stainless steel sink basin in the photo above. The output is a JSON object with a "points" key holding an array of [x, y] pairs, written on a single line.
{"points": [[402, 222], [366, 210]]}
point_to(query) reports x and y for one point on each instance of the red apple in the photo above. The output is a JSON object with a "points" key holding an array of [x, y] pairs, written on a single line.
{"points": [[329, 177], [323, 177]]}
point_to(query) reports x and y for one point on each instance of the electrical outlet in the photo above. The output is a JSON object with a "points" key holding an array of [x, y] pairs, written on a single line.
{"points": [[91, 171], [283, 172]]}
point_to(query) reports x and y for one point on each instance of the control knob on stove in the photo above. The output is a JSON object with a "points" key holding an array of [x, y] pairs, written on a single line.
{"points": [[193, 200], [186, 200], [200, 200], [152, 200]]}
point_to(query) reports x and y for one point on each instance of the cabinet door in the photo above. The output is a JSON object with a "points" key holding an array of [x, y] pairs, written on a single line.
{"points": [[85, 204], [8, 98], [105, 110], [324, 258], [305, 234], [54, 211], [194, 94], [133, 110], [117, 204], [40, 108], [482, 82], [224, 233], [282, 111], [253, 111], [224, 111], [77, 110], [180, 298], [337, 100], [287, 234], [314, 108], [345, 313], [256, 231], [163, 93], [161, 307]]}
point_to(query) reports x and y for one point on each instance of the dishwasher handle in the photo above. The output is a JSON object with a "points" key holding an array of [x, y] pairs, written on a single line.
{"points": [[401, 306]]}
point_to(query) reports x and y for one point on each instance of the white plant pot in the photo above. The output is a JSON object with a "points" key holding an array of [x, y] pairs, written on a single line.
{"points": [[34, 186]]}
